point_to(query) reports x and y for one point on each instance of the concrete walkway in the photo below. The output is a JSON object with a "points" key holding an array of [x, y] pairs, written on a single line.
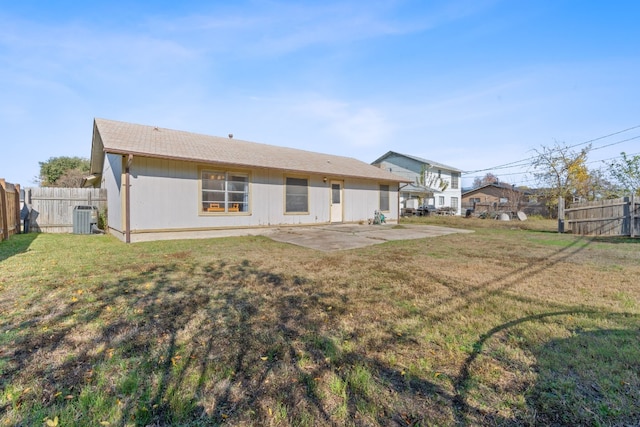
{"points": [[337, 237]]}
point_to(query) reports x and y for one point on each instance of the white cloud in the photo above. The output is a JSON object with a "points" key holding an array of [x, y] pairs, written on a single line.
{"points": [[354, 125], [277, 28]]}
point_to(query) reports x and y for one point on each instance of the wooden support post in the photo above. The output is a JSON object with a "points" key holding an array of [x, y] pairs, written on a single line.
{"points": [[632, 216], [16, 211], [560, 214], [127, 198], [4, 233]]}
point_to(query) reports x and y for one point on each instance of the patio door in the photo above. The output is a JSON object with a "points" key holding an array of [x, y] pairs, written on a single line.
{"points": [[336, 201]]}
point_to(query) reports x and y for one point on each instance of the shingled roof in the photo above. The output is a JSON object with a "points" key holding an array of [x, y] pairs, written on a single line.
{"points": [[417, 159], [150, 141]]}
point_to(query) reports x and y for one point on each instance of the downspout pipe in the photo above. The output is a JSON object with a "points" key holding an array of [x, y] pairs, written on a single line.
{"points": [[127, 200], [400, 187]]}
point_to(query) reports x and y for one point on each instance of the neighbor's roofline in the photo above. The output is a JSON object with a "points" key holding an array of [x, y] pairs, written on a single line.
{"points": [[510, 187], [418, 159]]}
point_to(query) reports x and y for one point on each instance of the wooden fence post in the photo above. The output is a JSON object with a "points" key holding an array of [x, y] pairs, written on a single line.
{"points": [[632, 217], [4, 221], [17, 209], [560, 214]]}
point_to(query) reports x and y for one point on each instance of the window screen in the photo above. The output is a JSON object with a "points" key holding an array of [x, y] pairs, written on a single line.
{"points": [[297, 195]]}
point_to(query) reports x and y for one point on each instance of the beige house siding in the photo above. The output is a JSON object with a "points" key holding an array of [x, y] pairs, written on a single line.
{"points": [[165, 199], [165, 187]]}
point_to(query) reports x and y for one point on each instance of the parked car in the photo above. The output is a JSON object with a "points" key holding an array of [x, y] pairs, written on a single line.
{"points": [[425, 210]]}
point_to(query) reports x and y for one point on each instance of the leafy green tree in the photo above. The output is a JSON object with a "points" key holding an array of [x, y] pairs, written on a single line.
{"points": [[627, 172], [63, 171]]}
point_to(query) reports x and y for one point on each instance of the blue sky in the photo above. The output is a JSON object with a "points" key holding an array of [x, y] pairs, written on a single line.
{"points": [[472, 84]]}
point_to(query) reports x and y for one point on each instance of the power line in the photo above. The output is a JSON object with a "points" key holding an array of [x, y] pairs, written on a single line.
{"points": [[613, 158], [590, 162], [615, 143], [526, 162], [533, 180], [606, 136]]}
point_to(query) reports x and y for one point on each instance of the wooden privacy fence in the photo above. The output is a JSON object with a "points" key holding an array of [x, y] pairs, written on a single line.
{"points": [[9, 209], [616, 217], [51, 208]]}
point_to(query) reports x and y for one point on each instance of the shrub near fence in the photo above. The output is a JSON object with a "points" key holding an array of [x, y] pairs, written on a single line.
{"points": [[616, 217], [9, 209], [52, 207]]}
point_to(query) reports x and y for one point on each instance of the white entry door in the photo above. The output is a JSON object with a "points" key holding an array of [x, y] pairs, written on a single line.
{"points": [[336, 201]]}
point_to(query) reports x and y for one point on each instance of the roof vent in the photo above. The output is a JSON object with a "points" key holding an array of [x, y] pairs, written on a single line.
{"points": [[230, 136]]}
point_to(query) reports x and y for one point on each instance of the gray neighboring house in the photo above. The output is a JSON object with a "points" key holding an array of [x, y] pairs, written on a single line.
{"points": [[431, 182], [164, 184]]}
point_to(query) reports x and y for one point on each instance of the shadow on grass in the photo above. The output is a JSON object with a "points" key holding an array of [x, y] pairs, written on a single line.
{"points": [[470, 294], [617, 240], [540, 402], [16, 244], [591, 378], [214, 344], [218, 343]]}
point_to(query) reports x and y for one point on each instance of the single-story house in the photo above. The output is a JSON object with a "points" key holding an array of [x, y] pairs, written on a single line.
{"points": [[164, 183], [431, 182], [503, 197]]}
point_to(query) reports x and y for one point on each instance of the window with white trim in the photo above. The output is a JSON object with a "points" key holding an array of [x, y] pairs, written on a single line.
{"points": [[454, 180], [296, 195], [454, 203], [224, 191], [440, 200]]}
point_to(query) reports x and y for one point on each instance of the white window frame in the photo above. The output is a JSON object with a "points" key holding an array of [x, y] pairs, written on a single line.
{"points": [[455, 182], [233, 201]]}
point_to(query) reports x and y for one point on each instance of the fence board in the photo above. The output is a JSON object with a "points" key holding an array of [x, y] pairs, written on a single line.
{"points": [[52, 207], [617, 217], [9, 209]]}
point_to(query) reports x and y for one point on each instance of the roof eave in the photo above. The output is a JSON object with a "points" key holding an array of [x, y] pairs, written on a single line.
{"points": [[250, 166]]}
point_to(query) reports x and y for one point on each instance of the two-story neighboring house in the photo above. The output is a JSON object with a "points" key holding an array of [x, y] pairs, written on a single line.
{"points": [[432, 182]]}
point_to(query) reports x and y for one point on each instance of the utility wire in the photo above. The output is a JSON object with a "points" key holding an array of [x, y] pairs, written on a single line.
{"points": [[590, 162], [527, 161], [534, 181]]}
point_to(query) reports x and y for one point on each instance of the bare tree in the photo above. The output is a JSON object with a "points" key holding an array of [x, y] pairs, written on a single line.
{"points": [[71, 179], [489, 178], [513, 198], [562, 172], [627, 173]]}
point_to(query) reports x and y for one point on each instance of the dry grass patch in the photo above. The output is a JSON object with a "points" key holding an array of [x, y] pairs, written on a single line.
{"points": [[503, 326]]}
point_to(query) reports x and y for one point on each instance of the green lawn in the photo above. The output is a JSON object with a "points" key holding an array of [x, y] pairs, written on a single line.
{"points": [[511, 325]]}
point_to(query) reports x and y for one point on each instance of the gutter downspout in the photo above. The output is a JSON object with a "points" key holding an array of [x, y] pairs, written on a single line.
{"points": [[127, 200], [400, 187]]}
